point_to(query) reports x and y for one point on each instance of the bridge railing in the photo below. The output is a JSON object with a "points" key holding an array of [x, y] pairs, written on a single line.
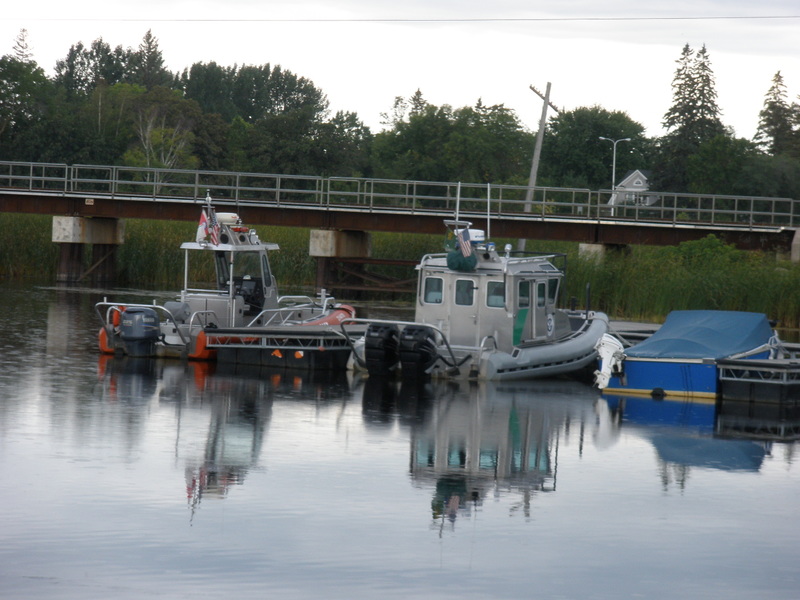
{"points": [[473, 200]]}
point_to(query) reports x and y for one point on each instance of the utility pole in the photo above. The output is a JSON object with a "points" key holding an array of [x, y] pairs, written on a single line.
{"points": [[537, 152]]}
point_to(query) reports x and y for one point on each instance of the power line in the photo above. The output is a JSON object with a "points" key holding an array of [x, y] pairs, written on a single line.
{"points": [[398, 20]]}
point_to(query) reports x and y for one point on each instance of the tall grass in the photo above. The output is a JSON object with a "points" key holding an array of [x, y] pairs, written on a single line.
{"points": [[641, 283], [26, 247]]}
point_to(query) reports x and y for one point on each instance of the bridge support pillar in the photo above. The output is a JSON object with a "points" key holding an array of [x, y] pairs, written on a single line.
{"points": [[592, 250], [72, 234], [328, 245], [795, 251]]}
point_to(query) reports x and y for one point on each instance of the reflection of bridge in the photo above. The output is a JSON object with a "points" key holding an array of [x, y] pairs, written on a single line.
{"points": [[367, 205]]}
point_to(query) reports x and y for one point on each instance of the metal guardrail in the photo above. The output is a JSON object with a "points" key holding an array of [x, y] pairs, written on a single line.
{"points": [[473, 200]]}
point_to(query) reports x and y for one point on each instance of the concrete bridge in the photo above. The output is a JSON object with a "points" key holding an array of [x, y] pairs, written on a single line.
{"points": [[87, 202]]}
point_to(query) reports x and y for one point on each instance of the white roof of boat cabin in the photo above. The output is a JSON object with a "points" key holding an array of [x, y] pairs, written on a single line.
{"points": [[229, 247], [497, 264]]}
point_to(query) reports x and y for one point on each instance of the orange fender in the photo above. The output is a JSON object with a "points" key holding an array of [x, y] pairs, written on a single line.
{"points": [[102, 342], [201, 351]]}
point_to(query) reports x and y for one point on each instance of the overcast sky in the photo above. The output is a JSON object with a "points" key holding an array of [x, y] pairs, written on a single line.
{"points": [[363, 53]]}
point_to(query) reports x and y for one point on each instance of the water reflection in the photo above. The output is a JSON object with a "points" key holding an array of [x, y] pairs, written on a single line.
{"points": [[470, 442], [690, 435], [221, 413]]}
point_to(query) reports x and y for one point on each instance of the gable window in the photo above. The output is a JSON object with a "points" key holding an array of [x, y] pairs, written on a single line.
{"points": [[433, 290]]}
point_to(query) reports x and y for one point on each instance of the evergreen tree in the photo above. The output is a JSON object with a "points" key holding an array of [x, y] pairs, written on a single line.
{"points": [[776, 132], [147, 64], [694, 114], [24, 94], [692, 120]]}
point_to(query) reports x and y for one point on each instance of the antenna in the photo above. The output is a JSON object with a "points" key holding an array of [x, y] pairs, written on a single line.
{"points": [[458, 198], [488, 210]]}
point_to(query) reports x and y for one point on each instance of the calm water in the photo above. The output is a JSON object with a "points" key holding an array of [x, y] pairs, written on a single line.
{"points": [[147, 479]]}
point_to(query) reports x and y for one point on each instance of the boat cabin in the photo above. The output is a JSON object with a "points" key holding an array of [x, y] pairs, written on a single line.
{"points": [[508, 299], [244, 284]]}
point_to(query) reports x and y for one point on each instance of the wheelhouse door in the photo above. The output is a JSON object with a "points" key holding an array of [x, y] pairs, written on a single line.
{"points": [[531, 321], [463, 317]]}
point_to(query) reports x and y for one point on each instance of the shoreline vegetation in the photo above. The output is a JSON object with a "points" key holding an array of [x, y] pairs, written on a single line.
{"points": [[639, 283]]}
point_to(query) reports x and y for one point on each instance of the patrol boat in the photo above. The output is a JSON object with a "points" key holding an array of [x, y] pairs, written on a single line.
{"points": [[485, 315], [241, 319]]}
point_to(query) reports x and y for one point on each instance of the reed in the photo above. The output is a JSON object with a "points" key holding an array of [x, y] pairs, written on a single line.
{"points": [[641, 283], [26, 247]]}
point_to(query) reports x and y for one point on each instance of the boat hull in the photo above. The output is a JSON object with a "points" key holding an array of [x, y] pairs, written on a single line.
{"points": [[547, 360], [309, 345], [666, 379], [567, 356]]}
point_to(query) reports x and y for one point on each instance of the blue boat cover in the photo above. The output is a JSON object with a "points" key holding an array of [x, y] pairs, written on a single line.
{"points": [[704, 334]]}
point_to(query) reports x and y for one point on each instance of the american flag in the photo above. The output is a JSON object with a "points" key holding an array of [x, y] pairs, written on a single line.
{"points": [[463, 242], [213, 227], [202, 227]]}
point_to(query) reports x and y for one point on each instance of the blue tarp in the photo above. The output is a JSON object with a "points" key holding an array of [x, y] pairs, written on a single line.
{"points": [[704, 334]]}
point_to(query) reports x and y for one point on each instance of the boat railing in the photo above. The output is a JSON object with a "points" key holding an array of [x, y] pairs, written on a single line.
{"points": [[281, 315], [454, 365], [120, 307], [196, 316]]}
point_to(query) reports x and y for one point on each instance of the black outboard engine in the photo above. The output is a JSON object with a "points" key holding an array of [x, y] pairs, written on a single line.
{"points": [[381, 348], [139, 331], [418, 351]]}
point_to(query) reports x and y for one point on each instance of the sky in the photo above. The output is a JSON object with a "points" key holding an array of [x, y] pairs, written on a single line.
{"points": [[620, 55]]}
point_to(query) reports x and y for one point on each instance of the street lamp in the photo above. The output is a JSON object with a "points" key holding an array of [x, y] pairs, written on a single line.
{"points": [[614, 160]]}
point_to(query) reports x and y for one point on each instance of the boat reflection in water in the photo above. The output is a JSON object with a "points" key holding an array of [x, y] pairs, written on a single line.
{"points": [[222, 411], [473, 441], [720, 435]]}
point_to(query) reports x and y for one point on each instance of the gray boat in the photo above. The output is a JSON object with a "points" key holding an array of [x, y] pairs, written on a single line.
{"points": [[486, 315]]}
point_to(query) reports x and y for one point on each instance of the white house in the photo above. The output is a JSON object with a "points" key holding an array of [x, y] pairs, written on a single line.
{"points": [[631, 190]]}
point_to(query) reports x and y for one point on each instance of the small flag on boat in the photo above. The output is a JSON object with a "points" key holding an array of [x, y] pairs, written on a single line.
{"points": [[463, 242], [202, 227], [213, 227]]}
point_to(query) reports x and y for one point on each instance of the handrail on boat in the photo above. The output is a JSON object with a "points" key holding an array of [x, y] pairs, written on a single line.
{"points": [[455, 364], [115, 307]]}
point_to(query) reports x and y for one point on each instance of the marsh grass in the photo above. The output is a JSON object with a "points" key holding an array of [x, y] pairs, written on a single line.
{"points": [[642, 283]]}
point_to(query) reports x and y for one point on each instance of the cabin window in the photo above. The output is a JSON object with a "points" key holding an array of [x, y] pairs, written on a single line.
{"points": [[495, 294], [465, 292], [433, 290], [541, 294], [265, 269], [524, 295], [552, 291]]}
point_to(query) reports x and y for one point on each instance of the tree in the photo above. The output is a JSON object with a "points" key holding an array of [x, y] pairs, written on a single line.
{"points": [[717, 166], [694, 114], [573, 154], [343, 146], [693, 118], [776, 132], [24, 92], [478, 144], [147, 64], [261, 91], [210, 85], [163, 122]]}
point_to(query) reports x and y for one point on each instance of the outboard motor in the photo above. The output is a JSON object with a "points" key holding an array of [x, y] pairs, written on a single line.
{"points": [[418, 351], [139, 331], [381, 348]]}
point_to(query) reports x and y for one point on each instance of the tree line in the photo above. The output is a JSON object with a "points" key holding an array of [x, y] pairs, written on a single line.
{"points": [[122, 106]]}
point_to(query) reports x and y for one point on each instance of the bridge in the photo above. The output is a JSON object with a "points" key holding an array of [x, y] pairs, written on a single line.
{"points": [[349, 204]]}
